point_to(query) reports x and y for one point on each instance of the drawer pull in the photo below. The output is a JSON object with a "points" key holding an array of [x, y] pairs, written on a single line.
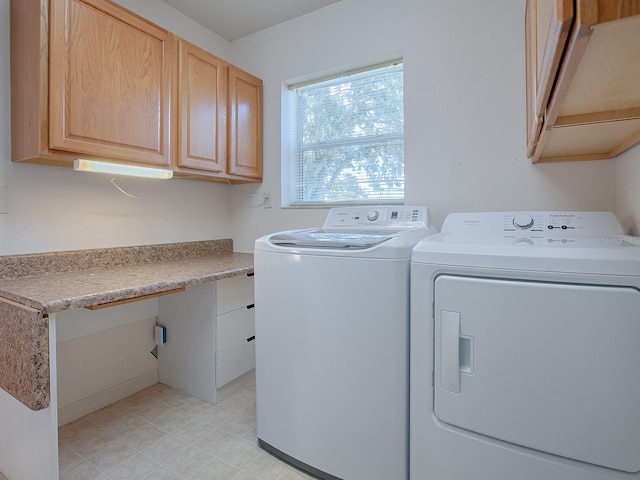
{"points": [[249, 307], [251, 274], [251, 339]]}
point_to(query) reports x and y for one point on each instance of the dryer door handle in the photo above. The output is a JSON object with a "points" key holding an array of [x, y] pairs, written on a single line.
{"points": [[450, 351]]}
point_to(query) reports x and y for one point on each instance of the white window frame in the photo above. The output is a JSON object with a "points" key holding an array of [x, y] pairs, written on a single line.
{"points": [[292, 133]]}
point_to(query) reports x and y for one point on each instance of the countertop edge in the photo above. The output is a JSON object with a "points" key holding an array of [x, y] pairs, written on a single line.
{"points": [[135, 292], [31, 291]]}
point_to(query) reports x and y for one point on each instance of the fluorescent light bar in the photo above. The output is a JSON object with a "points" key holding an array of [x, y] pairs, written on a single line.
{"points": [[82, 165]]}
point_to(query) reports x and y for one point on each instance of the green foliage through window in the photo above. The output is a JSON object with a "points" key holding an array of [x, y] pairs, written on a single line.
{"points": [[350, 139]]}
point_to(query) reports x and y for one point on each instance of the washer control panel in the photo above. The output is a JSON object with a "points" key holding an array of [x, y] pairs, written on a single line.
{"points": [[377, 216]]}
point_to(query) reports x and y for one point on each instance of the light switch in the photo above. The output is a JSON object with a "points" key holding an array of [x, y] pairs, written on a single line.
{"points": [[4, 200]]}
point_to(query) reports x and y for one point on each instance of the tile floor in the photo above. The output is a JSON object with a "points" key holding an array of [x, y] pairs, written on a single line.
{"points": [[163, 434]]}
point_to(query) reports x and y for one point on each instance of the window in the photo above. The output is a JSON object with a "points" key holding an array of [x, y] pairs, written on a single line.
{"points": [[348, 139]]}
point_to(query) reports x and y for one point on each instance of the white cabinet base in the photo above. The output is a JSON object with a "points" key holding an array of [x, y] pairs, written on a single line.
{"points": [[186, 361], [210, 338]]}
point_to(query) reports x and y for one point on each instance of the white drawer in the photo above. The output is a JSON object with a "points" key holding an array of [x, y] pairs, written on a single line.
{"points": [[234, 361], [233, 292], [234, 327]]}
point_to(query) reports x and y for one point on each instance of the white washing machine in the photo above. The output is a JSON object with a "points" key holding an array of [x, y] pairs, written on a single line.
{"points": [[525, 349], [332, 342]]}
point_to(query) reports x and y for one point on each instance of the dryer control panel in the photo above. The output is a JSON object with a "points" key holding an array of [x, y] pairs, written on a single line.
{"points": [[379, 216], [534, 223]]}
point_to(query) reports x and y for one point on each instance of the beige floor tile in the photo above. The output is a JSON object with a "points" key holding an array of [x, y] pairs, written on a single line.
{"points": [[293, 474], [135, 468], [94, 443], [67, 458], [146, 436], [266, 467], [163, 434], [76, 431], [239, 424], [216, 442], [216, 470], [162, 474], [188, 462], [241, 453], [110, 457], [125, 425], [166, 448], [245, 476], [173, 420], [83, 471], [200, 426]]}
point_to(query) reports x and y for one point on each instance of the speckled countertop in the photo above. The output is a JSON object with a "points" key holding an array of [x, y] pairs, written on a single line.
{"points": [[57, 281], [55, 292], [33, 286]]}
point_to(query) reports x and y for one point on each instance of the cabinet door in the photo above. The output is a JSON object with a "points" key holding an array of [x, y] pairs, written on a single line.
{"points": [[245, 128], [202, 109], [110, 82], [233, 293], [547, 24]]}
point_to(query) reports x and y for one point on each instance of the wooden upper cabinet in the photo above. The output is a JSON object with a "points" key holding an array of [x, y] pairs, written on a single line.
{"points": [[220, 119], [583, 90], [92, 79], [245, 124], [202, 111], [547, 29], [100, 83]]}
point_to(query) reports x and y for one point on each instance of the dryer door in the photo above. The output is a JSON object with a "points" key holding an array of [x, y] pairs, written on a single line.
{"points": [[549, 366]]}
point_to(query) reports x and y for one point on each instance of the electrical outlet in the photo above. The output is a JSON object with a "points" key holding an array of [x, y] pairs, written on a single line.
{"points": [[267, 200], [4, 200]]}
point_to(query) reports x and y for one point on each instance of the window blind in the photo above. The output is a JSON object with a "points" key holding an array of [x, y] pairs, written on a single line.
{"points": [[349, 138]]}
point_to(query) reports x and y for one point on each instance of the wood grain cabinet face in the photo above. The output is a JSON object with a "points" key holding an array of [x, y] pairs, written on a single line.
{"points": [[583, 89], [202, 110], [89, 79], [547, 29], [220, 118], [245, 128], [110, 83]]}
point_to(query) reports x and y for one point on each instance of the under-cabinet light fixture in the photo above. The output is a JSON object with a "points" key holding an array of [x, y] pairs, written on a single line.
{"points": [[83, 165]]}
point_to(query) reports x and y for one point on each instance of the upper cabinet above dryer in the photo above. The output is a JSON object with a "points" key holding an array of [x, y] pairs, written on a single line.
{"points": [[583, 78], [88, 78]]}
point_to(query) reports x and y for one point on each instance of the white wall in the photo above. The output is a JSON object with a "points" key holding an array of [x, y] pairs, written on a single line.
{"points": [[53, 208], [628, 189], [464, 107], [464, 145]]}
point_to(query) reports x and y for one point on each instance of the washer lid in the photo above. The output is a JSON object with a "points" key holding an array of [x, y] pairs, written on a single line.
{"points": [[325, 238]]}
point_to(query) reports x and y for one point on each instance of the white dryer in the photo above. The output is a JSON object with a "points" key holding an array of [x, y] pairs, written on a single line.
{"points": [[332, 342], [525, 356]]}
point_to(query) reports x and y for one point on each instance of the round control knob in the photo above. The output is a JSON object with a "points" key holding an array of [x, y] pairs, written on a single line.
{"points": [[523, 221], [373, 215]]}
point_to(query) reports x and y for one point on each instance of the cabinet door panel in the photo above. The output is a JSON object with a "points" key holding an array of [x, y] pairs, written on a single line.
{"points": [[547, 26], [202, 109], [233, 327], [245, 129], [110, 83], [233, 293], [235, 361]]}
